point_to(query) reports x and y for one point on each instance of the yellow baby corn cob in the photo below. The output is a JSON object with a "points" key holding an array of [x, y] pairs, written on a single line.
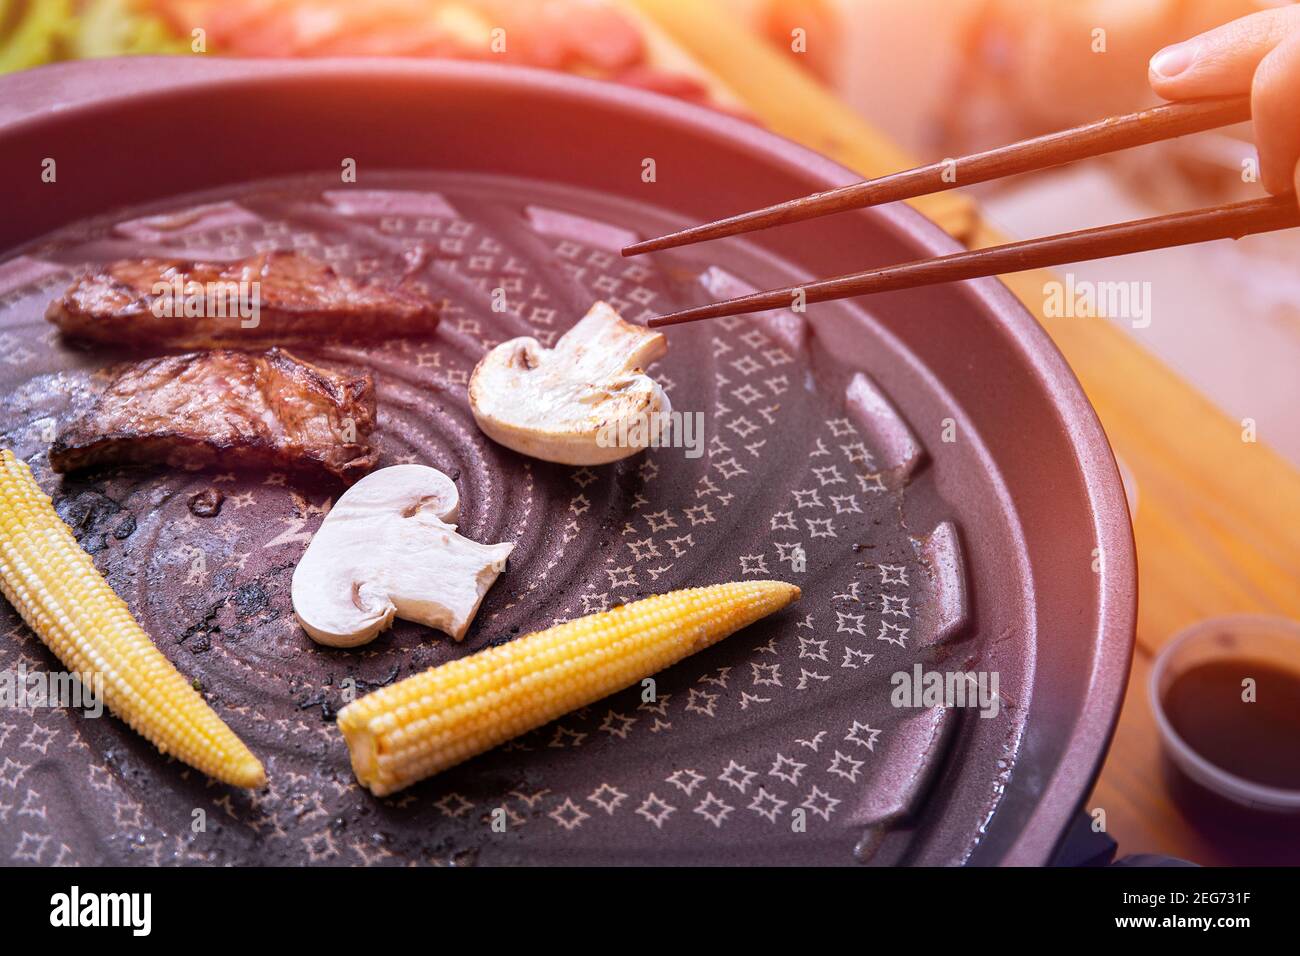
{"points": [[54, 586], [426, 723]]}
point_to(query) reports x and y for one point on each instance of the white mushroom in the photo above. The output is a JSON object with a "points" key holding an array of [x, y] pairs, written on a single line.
{"points": [[584, 402], [389, 548]]}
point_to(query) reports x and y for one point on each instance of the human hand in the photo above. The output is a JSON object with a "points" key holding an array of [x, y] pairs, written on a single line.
{"points": [[1257, 54]]}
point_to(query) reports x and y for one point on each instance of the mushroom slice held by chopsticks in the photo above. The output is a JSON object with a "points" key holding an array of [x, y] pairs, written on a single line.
{"points": [[584, 402], [387, 549]]}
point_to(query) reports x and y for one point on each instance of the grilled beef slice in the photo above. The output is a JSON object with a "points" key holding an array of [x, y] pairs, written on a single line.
{"points": [[299, 298], [225, 409]]}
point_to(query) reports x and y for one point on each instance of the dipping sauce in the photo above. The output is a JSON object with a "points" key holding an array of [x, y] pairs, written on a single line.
{"points": [[1257, 740]]}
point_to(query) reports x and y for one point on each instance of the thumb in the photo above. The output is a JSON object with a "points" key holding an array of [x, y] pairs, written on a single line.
{"points": [[1222, 61]]}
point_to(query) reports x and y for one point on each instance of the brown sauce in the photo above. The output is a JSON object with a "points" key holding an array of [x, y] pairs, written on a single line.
{"points": [[1257, 740]]}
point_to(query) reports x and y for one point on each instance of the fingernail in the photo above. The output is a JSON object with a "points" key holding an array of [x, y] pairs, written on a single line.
{"points": [[1173, 60]]}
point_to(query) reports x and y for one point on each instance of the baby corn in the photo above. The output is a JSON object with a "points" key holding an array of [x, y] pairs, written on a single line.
{"points": [[54, 585], [426, 723]]}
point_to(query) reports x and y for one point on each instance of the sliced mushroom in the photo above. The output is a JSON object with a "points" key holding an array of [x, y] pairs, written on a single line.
{"points": [[584, 402], [387, 549]]}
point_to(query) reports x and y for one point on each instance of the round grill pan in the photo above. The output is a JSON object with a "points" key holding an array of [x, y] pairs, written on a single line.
{"points": [[923, 464]]}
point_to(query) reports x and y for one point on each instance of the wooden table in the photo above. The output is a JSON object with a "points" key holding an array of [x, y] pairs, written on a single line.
{"points": [[1218, 518]]}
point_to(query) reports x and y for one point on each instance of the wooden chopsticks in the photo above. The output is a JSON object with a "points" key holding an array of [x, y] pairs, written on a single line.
{"points": [[1167, 121], [1230, 221], [1094, 139]]}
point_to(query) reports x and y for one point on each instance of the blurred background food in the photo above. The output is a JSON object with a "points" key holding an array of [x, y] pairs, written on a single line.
{"points": [[33, 32], [940, 77], [599, 38]]}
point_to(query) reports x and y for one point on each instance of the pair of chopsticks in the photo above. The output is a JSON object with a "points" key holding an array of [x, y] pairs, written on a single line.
{"points": [[1227, 221]]}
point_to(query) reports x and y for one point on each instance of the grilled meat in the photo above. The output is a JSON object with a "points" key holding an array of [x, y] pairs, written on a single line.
{"points": [[225, 409], [272, 297]]}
